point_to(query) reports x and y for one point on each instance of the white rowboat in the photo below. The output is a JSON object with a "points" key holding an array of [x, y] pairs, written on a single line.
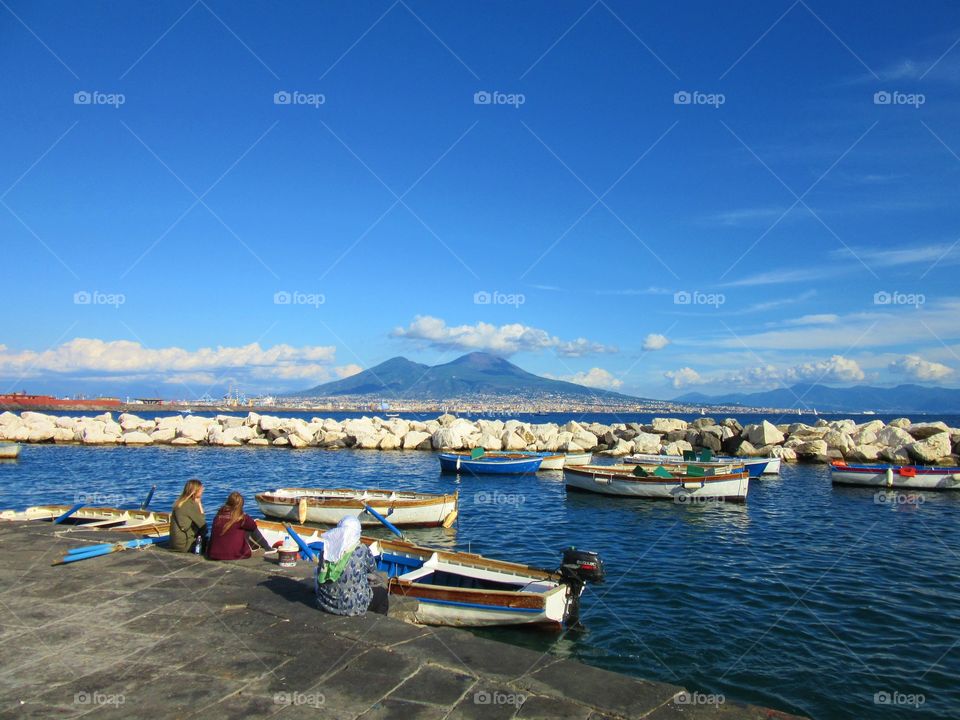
{"points": [[329, 506]]}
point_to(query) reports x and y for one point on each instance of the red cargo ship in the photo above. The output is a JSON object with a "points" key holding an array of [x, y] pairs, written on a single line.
{"points": [[22, 400]]}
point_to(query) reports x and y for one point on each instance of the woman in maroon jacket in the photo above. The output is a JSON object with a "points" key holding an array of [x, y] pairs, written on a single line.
{"points": [[228, 539]]}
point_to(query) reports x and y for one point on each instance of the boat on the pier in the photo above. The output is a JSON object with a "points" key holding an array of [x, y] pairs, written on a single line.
{"points": [[662, 483], [90, 517], [755, 467], [329, 506], [9, 451], [468, 590], [916, 477], [489, 464]]}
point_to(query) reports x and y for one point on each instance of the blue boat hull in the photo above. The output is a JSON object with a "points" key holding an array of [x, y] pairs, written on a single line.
{"points": [[488, 465]]}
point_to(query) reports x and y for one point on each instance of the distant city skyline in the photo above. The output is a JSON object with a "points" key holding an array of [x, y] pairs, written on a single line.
{"points": [[199, 196]]}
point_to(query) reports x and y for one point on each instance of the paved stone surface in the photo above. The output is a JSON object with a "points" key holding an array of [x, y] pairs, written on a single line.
{"points": [[154, 635]]}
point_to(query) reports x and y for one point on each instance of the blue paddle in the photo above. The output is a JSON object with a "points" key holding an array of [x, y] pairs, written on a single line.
{"points": [[386, 523], [67, 514]]}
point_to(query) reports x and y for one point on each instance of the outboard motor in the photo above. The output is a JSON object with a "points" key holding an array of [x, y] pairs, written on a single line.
{"points": [[578, 568]]}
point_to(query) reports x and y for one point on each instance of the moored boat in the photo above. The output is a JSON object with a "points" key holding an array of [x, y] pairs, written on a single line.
{"points": [[467, 590], [755, 467], [489, 464], [9, 451], [91, 517], [662, 484], [549, 461], [916, 477], [578, 458], [329, 506]]}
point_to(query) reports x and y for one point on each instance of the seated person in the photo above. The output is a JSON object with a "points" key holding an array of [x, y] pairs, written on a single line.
{"points": [[345, 573], [188, 524], [232, 531]]}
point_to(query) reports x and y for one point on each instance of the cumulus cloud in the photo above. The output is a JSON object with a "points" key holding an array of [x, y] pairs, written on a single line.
{"points": [[594, 377], [502, 340], [917, 368], [655, 341], [125, 360], [836, 368], [683, 377]]}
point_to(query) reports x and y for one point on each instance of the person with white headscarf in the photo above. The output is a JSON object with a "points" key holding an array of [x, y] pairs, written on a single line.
{"points": [[343, 581]]}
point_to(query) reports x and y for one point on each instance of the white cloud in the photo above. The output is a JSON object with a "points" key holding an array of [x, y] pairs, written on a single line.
{"points": [[124, 359], [821, 319], [655, 341], [684, 377], [835, 369], [502, 340], [345, 371], [594, 377], [780, 277], [930, 254], [919, 369]]}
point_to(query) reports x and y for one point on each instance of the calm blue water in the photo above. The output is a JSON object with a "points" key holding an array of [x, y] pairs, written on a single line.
{"points": [[807, 598]]}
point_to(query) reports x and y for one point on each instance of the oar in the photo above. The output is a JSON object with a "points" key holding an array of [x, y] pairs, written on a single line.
{"points": [[304, 548], [92, 551], [146, 503], [386, 523], [67, 514]]}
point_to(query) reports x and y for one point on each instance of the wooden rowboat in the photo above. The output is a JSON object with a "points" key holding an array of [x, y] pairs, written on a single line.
{"points": [[755, 467], [146, 522], [622, 480], [468, 590], [9, 451], [896, 476], [548, 461], [329, 506], [581, 458], [489, 465]]}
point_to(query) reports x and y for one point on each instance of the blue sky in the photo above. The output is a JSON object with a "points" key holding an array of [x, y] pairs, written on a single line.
{"points": [[655, 198]]}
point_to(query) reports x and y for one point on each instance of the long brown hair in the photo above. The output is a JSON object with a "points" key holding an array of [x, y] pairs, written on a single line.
{"points": [[190, 490], [234, 506]]}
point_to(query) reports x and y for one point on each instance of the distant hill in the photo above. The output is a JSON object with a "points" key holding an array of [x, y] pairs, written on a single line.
{"points": [[899, 399], [476, 373]]}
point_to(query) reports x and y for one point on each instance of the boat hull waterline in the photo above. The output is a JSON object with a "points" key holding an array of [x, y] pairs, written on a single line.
{"points": [[896, 476], [731, 487], [454, 463]]}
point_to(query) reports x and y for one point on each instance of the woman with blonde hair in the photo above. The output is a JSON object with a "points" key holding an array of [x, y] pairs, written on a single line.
{"points": [[231, 528], [188, 524]]}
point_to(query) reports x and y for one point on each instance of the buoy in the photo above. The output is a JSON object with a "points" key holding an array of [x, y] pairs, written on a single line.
{"points": [[302, 510], [889, 477], [450, 519]]}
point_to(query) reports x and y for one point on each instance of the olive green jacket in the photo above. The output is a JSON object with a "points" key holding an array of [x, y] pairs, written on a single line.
{"points": [[186, 522]]}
